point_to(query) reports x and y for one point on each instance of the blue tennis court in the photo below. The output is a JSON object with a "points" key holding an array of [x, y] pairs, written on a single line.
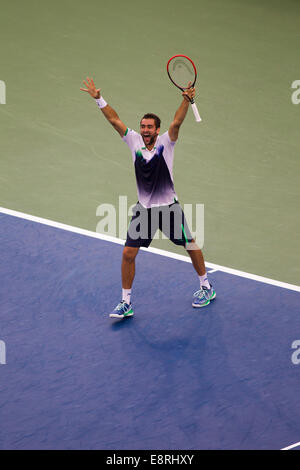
{"points": [[171, 377]]}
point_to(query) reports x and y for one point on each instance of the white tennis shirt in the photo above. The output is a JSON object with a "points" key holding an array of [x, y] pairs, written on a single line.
{"points": [[153, 169]]}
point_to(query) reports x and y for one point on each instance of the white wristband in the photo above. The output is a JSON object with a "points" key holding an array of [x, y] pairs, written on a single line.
{"points": [[101, 103]]}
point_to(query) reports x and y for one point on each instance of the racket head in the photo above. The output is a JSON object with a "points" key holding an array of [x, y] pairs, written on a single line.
{"points": [[182, 71]]}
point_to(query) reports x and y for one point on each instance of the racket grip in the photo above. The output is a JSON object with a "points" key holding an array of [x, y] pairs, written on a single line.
{"points": [[196, 112]]}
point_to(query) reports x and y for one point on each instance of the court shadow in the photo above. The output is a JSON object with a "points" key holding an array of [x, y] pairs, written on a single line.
{"points": [[123, 323]]}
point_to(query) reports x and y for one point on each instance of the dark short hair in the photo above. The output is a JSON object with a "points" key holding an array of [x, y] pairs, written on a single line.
{"points": [[152, 116]]}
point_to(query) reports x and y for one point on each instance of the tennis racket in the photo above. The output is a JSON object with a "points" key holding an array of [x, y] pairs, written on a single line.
{"points": [[182, 72]]}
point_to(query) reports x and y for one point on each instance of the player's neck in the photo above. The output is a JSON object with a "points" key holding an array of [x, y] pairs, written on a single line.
{"points": [[150, 147]]}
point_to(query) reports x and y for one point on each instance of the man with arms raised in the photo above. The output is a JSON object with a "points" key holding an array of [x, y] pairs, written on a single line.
{"points": [[157, 206]]}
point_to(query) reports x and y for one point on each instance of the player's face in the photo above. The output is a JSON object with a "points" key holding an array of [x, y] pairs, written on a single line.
{"points": [[148, 131]]}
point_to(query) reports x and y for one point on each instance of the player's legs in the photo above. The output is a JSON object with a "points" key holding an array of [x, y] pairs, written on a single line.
{"points": [[179, 233], [128, 266], [206, 293], [137, 236], [197, 257], [124, 308]]}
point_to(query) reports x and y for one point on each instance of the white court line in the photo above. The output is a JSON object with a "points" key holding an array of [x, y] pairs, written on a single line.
{"points": [[292, 446], [88, 233]]}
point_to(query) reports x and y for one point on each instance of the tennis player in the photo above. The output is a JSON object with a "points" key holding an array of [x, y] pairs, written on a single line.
{"points": [[158, 206]]}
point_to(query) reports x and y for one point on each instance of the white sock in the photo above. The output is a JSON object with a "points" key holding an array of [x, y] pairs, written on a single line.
{"points": [[126, 295], [204, 281]]}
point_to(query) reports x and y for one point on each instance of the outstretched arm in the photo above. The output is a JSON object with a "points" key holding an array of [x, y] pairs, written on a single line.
{"points": [[107, 110], [180, 114]]}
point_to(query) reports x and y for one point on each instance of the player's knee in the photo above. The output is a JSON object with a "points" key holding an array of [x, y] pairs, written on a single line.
{"points": [[129, 254], [192, 245]]}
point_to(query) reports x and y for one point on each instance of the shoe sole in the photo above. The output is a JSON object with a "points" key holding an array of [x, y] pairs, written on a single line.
{"points": [[207, 303], [203, 305], [116, 315]]}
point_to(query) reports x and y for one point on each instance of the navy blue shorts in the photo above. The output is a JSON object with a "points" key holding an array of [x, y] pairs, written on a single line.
{"points": [[168, 219]]}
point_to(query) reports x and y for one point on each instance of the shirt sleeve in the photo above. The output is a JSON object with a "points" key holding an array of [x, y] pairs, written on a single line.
{"points": [[165, 138], [130, 137]]}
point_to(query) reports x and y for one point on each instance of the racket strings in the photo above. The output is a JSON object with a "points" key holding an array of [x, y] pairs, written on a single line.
{"points": [[181, 72]]}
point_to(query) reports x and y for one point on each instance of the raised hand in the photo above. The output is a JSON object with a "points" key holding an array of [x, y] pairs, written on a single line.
{"points": [[91, 88], [189, 93]]}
